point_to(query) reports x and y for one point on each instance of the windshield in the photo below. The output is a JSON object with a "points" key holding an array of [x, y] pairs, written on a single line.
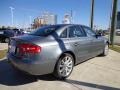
{"points": [[45, 31]]}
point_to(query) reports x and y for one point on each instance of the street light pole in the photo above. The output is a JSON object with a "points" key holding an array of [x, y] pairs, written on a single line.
{"points": [[30, 22], [71, 17], [11, 8], [113, 22], [92, 14]]}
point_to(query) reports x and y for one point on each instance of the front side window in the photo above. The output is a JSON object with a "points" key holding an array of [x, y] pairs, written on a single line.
{"points": [[75, 31], [89, 31]]}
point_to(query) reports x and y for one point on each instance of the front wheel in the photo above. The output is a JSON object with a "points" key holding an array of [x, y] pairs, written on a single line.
{"points": [[64, 66], [106, 50]]}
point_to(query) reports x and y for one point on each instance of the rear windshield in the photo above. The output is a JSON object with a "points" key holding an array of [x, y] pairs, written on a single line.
{"points": [[45, 31]]}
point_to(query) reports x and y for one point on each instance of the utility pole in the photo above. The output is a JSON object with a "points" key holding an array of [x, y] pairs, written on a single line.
{"points": [[92, 14], [11, 8], [109, 27], [113, 22]]}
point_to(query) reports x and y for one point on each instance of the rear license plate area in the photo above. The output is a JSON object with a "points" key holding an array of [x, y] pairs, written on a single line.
{"points": [[12, 47]]}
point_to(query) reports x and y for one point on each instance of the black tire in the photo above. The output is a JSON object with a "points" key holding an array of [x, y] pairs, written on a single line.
{"points": [[106, 50], [57, 73], [0, 41]]}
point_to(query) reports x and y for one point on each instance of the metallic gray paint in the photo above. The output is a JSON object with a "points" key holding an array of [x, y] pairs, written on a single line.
{"points": [[53, 47]]}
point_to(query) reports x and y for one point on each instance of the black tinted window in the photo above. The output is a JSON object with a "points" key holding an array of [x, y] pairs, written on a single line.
{"points": [[75, 31], [45, 31], [64, 34]]}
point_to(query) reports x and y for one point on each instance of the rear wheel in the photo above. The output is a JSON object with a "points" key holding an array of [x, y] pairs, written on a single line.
{"points": [[64, 66]]}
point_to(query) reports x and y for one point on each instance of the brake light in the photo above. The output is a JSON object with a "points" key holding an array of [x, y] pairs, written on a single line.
{"points": [[28, 49]]}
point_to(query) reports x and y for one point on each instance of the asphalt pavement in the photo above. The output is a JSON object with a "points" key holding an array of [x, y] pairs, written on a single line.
{"points": [[99, 73]]}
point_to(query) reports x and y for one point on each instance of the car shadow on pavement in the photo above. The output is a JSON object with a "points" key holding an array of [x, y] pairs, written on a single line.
{"points": [[59, 41], [91, 85], [10, 76]]}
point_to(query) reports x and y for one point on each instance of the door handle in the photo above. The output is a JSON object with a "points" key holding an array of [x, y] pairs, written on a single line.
{"points": [[76, 44]]}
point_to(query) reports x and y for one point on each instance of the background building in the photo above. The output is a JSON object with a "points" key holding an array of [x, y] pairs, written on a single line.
{"points": [[45, 19], [49, 19], [38, 22], [67, 19]]}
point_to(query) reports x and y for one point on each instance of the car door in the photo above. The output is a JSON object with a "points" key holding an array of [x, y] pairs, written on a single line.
{"points": [[79, 42], [97, 42]]}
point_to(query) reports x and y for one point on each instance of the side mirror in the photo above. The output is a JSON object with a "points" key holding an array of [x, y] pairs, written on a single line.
{"points": [[98, 35]]}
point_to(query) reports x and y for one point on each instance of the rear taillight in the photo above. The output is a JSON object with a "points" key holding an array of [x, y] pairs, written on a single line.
{"points": [[24, 49]]}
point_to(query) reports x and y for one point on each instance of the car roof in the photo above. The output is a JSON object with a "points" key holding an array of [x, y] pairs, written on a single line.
{"points": [[68, 25]]}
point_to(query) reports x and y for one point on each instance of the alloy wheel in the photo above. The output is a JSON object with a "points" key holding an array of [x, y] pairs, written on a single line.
{"points": [[66, 66]]}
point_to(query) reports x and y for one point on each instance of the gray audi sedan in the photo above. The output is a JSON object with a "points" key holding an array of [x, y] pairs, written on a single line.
{"points": [[55, 49]]}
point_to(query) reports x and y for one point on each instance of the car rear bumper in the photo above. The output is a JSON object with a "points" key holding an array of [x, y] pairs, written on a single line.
{"points": [[30, 67]]}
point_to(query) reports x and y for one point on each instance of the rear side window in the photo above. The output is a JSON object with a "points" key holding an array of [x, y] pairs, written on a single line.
{"points": [[45, 31], [76, 31], [64, 34]]}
